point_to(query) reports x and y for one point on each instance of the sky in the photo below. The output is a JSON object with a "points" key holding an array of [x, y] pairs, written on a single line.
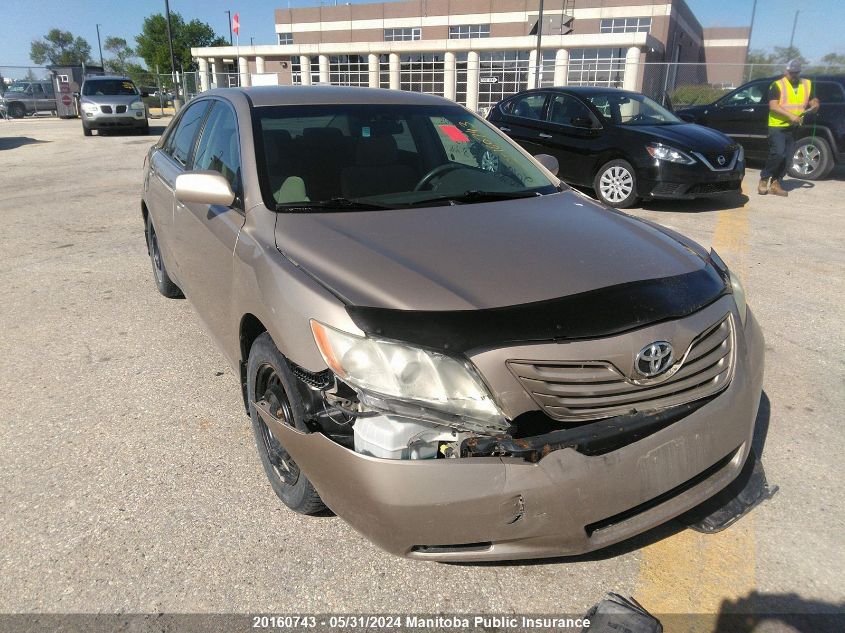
{"points": [[819, 31]]}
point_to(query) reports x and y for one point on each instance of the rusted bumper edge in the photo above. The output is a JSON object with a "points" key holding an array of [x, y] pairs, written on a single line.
{"points": [[491, 508]]}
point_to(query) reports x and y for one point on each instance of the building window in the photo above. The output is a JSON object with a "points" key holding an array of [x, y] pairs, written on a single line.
{"points": [[421, 72], [285, 38], [467, 31], [349, 70], [296, 70], [625, 25], [403, 35], [596, 67]]}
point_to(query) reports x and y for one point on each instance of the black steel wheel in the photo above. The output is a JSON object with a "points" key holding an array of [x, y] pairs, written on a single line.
{"points": [[163, 282]]}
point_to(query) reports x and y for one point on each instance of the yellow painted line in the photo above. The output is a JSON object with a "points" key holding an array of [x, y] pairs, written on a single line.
{"points": [[691, 572]]}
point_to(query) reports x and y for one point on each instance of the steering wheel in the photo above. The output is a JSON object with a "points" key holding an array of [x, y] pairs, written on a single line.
{"points": [[437, 171]]}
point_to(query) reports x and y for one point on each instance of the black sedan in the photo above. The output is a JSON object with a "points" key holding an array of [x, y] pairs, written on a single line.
{"points": [[622, 144]]}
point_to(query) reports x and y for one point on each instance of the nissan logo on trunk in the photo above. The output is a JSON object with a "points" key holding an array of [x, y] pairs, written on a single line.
{"points": [[654, 359]]}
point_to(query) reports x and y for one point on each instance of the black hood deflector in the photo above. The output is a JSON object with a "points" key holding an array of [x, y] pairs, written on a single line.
{"points": [[596, 313]]}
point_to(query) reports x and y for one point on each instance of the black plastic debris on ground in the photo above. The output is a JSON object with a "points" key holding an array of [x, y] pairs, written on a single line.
{"points": [[741, 496], [616, 613]]}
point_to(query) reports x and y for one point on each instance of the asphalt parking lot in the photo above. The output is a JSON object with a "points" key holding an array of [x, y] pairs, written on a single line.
{"points": [[129, 480]]}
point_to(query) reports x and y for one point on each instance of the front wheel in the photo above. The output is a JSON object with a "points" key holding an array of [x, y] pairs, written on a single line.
{"points": [[163, 282], [85, 129], [616, 184], [812, 160], [269, 378]]}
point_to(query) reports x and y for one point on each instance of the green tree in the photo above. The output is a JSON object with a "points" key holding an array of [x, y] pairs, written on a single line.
{"points": [[121, 52], [60, 48], [152, 42], [784, 54], [834, 59], [760, 64]]}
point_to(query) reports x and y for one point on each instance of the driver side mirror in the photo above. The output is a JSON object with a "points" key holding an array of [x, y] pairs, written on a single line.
{"points": [[549, 162], [204, 187]]}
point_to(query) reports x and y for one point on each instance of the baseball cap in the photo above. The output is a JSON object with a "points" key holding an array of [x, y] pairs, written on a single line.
{"points": [[794, 66]]}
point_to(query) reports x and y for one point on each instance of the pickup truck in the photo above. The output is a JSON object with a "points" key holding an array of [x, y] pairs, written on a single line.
{"points": [[28, 97]]}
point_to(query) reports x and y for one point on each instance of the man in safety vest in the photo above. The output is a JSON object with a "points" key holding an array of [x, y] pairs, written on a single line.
{"points": [[789, 98]]}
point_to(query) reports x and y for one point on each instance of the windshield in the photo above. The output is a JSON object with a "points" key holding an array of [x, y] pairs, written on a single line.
{"points": [[108, 87], [384, 155], [18, 88], [630, 108]]}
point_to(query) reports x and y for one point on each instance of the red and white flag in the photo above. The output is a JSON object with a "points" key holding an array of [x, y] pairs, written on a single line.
{"points": [[236, 24]]}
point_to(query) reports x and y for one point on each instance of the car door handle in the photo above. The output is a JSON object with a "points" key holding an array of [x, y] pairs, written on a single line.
{"points": [[505, 129], [544, 135]]}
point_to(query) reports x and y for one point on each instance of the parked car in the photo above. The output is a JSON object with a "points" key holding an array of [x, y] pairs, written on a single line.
{"points": [[28, 97], [109, 103], [743, 115], [437, 338], [621, 144]]}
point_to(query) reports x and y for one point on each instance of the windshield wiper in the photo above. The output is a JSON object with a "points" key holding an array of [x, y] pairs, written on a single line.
{"points": [[474, 195], [334, 204]]}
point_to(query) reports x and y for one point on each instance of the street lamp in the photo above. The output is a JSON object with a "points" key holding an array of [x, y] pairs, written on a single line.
{"points": [[176, 101], [794, 24], [538, 63], [99, 46]]}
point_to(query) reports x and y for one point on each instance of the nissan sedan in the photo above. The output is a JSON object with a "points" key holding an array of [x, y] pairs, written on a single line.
{"points": [[435, 337]]}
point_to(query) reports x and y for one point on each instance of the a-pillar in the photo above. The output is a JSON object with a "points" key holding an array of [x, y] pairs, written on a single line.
{"points": [[632, 68], [325, 76], [449, 76], [203, 71], [243, 70], [561, 67], [472, 81], [394, 71], [373, 70], [305, 70]]}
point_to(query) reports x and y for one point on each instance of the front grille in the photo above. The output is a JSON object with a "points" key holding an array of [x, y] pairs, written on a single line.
{"points": [[711, 159], [121, 109], [716, 187], [668, 189], [572, 391], [105, 109]]}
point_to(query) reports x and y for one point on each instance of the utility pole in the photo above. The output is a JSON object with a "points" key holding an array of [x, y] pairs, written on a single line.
{"points": [[177, 103], [794, 24], [99, 46], [538, 68], [750, 29], [229, 13]]}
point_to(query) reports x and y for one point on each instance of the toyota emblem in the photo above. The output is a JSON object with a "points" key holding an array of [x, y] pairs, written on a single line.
{"points": [[654, 359], [721, 159]]}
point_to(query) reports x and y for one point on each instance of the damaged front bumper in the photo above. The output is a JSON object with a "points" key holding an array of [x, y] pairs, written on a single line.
{"points": [[566, 503]]}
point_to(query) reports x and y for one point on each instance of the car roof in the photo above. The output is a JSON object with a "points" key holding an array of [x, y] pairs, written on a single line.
{"points": [[110, 77], [261, 96], [580, 90]]}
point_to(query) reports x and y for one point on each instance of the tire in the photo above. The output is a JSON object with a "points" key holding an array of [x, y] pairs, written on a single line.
{"points": [[812, 160], [615, 184], [269, 377], [17, 111], [162, 280], [144, 130], [86, 130]]}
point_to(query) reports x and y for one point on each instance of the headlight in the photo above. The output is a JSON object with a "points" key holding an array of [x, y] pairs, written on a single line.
{"points": [[409, 381], [90, 107], [669, 154], [736, 286], [136, 105]]}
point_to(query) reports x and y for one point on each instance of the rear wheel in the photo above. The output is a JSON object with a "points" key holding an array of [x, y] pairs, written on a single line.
{"points": [[269, 378], [616, 184], [812, 160], [17, 111], [163, 282]]}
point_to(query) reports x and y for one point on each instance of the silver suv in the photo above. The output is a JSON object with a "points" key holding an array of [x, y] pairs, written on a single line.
{"points": [[28, 97], [435, 337], [112, 103]]}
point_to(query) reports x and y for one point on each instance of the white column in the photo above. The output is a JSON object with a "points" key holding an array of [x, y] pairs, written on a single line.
{"points": [[632, 69], [394, 72], [532, 69], [373, 70], [325, 77], [449, 76], [561, 67], [305, 70], [203, 72], [259, 65], [243, 70], [472, 81], [212, 70]]}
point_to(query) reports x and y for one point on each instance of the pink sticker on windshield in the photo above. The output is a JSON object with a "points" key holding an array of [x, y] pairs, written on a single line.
{"points": [[454, 133]]}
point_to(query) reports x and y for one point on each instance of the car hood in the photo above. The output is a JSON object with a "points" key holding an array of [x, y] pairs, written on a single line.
{"points": [[478, 256], [111, 99], [687, 136]]}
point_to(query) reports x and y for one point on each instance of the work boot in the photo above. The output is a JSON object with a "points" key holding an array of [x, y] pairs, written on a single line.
{"points": [[763, 187], [777, 190]]}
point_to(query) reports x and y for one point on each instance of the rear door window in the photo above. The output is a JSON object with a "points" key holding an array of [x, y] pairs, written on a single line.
{"points": [[830, 92], [564, 108], [181, 140]]}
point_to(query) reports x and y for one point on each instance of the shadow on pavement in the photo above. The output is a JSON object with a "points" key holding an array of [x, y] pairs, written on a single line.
{"points": [[761, 611], [13, 142]]}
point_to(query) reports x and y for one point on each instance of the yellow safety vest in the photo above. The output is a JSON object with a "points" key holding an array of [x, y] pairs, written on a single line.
{"points": [[792, 99]]}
